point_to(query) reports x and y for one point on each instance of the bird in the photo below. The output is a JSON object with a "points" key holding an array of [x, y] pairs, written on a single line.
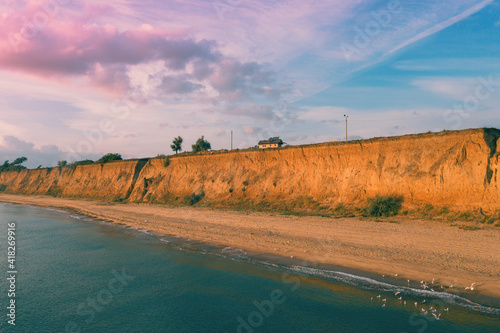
{"points": [[408, 281], [451, 286], [404, 303], [378, 296], [436, 316], [416, 303], [432, 280], [384, 300], [396, 275], [446, 309], [383, 305], [400, 298], [397, 293], [472, 287]]}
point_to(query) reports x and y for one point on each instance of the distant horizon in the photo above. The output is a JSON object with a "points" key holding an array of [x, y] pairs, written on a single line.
{"points": [[81, 79]]}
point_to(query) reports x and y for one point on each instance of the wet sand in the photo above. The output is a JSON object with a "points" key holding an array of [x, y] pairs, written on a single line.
{"points": [[412, 249]]}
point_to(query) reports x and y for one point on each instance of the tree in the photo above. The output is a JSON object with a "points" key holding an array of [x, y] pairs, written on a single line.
{"points": [[109, 158], [14, 166], [19, 160], [176, 144], [62, 163], [201, 145]]}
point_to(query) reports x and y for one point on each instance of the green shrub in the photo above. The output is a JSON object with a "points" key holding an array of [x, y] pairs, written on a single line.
{"points": [[109, 158], [444, 211], [245, 183], [193, 199], [468, 227], [3, 187], [83, 162], [230, 190], [427, 208], [384, 205], [14, 166], [464, 216], [55, 192], [166, 163]]}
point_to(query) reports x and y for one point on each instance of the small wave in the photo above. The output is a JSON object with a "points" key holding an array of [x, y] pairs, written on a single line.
{"points": [[371, 284]]}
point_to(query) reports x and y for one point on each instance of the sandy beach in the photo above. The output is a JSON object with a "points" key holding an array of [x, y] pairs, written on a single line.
{"points": [[412, 249]]}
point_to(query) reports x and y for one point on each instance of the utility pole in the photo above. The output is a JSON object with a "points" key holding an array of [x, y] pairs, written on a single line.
{"points": [[231, 140], [346, 127]]}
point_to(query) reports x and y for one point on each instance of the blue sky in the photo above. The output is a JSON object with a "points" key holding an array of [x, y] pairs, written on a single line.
{"points": [[129, 76]]}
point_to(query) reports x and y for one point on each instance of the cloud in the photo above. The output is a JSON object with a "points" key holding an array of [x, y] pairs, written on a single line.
{"points": [[250, 129], [13, 147], [71, 48]]}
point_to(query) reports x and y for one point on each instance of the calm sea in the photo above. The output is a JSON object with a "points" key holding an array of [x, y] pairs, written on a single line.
{"points": [[75, 274]]}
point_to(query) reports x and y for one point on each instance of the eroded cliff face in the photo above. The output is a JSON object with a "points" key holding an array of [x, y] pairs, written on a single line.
{"points": [[454, 169], [108, 181]]}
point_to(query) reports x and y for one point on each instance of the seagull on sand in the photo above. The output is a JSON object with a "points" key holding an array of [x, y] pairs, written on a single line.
{"points": [[472, 286]]}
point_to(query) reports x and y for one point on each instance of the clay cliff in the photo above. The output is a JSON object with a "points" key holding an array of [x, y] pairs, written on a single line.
{"points": [[456, 169]]}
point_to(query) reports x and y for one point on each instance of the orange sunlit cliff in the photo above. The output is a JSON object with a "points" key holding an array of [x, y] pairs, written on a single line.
{"points": [[455, 169]]}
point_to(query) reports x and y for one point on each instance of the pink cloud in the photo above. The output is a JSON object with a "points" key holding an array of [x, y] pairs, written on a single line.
{"points": [[64, 48], [80, 45]]}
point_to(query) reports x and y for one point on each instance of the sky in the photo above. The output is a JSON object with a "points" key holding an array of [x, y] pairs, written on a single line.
{"points": [[79, 79]]}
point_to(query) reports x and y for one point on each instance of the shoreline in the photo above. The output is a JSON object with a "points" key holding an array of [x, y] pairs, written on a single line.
{"points": [[413, 249]]}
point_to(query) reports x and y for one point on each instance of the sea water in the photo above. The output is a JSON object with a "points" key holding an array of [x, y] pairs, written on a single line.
{"points": [[76, 274]]}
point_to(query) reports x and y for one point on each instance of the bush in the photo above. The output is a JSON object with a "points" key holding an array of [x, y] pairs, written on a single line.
{"points": [[166, 163], [201, 145], [384, 205], [109, 158], [245, 183], [193, 199], [3, 187], [62, 163], [77, 163], [14, 166]]}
